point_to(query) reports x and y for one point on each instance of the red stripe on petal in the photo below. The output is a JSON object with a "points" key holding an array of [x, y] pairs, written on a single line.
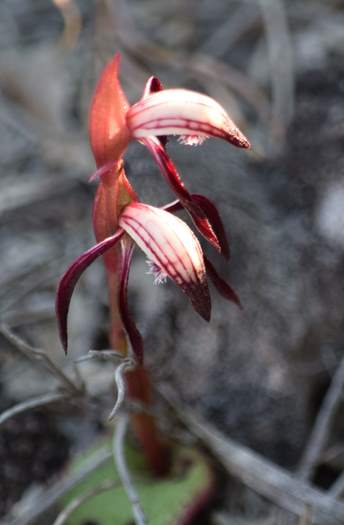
{"points": [[171, 245], [70, 278], [221, 286], [134, 335]]}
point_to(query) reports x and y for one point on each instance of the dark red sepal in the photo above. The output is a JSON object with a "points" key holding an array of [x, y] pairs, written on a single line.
{"points": [[128, 323], [221, 286], [199, 296], [153, 85], [70, 278], [214, 218], [213, 215], [171, 174]]}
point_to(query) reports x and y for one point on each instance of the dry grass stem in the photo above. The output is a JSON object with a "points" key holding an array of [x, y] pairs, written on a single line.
{"points": [[35, 402], [322, 425], [40, 356], [123, 472]]}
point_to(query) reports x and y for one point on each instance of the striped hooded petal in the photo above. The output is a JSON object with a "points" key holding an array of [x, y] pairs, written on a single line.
{"points": [[70, 278], [172, 249], [191, 115]]}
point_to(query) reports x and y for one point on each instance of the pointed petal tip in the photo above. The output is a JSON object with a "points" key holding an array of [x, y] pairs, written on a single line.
{"points": [[238, 139], [200, 298]]}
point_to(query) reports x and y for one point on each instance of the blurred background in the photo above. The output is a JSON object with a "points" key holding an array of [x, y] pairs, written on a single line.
{"points": [[260, 376]]}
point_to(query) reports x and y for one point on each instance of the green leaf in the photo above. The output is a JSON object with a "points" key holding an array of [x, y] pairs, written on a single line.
{"points": [[168, 501]]}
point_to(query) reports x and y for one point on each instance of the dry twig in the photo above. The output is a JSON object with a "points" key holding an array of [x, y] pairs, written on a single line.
{"points": [[261, 475], [120, 384], [35, 402], [123, 472], [323, 424], [40, 356]]}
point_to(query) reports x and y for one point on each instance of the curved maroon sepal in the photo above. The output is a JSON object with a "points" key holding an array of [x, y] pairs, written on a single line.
{"points": [[221, 286], [153, 85], [70, 278], [214, 218], [128, 323], [171, 175]]}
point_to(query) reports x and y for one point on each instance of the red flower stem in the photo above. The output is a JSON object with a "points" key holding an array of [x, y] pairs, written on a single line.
{"points": [[113, 193]]}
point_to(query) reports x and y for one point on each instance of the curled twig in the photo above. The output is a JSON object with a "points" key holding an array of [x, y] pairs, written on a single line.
{"points": [[120, 384]]}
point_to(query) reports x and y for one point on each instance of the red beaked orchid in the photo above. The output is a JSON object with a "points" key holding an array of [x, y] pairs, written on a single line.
{"points": [[121, 221], [167, 241]]}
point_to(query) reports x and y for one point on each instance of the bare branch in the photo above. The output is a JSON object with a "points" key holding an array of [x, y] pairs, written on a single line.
{"points": [[78, 501], [322, 425], [262, 476], [122, 470], [35, 402], [40, 356]]}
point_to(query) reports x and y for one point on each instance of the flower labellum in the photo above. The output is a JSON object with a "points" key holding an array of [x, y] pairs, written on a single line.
{"points": [[192, 115], [172, 247]]}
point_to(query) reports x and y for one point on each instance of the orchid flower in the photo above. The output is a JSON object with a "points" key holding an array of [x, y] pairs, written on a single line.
{"points": [[113, 123], [120, 220], [173, 251]]}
